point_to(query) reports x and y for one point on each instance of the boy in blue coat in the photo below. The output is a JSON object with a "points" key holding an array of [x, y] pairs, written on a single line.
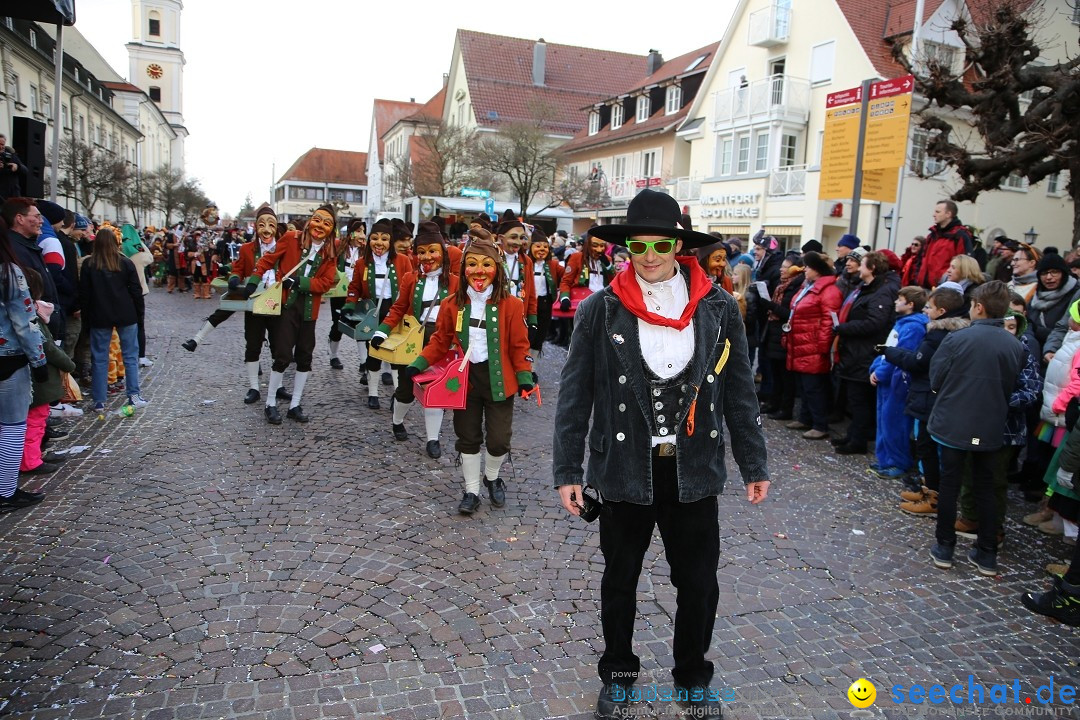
{"points": [[893, 445]]}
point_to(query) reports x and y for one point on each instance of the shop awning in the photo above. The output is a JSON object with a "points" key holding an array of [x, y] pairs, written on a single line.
{"points": [[783, 229], [730, 229]]}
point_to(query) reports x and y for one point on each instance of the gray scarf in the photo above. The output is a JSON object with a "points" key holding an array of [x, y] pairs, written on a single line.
{"points": [[1044, 299]]}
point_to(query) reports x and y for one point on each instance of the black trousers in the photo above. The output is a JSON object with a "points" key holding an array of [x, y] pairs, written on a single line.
{"points": [[257, 330], [815, 399], [543, 321], [928, 453], [862, 404], [784, 387], [982, 484], [373, 363], [219, 316], [484, 421], [691, 536], [295, 340], [335, 314]]}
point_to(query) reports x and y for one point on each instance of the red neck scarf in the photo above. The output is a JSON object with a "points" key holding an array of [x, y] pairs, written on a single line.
{"points": [[626, 288]]}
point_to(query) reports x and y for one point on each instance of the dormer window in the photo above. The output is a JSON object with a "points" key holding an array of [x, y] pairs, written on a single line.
{"points": [[673, 99], [616, 116], [643, 108], [594, 122]]}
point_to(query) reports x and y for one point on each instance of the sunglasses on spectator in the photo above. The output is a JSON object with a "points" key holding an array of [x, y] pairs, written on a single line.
{"points": [[660, 247]]}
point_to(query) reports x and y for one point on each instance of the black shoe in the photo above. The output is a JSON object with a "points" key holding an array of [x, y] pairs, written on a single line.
{"points": [[297, 414], [252, 397], [283, 394], [189, 345], [700, 702], [613, 702], [434, 450], [387, 379], [43, 469], [838, 440], [851, 449], [496, 491], [51, 434], [400, 433], [469, 503], [21, 498], [51, 457], [272, 415], [373, 402], [336, 364], [363, 375]]}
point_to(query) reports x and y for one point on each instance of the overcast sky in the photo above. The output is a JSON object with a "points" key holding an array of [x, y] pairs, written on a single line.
{"points": [[266, 81]]}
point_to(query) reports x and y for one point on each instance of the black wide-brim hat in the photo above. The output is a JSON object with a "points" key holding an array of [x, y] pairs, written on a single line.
{"points": [[652, 213]]}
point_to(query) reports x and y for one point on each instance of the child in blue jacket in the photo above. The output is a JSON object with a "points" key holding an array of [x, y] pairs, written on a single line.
{"points": [[893, 445]]}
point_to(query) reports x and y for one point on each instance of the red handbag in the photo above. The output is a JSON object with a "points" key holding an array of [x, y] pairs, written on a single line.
{"points": [[445, 384], [577, 294]]}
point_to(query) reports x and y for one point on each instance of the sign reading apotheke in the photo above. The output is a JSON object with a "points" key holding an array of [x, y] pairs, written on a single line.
{"points": [[730, 205]]}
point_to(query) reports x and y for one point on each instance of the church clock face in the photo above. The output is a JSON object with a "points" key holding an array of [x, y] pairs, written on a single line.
{"points": [[155, 71]]}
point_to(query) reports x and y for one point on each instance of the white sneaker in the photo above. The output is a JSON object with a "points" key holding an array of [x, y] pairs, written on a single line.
{"points": [[137, 401], [63, 410], [145, 362]]}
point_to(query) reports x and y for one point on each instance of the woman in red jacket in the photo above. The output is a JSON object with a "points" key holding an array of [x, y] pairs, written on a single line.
{"points": [[482, 316], [808, 336]]}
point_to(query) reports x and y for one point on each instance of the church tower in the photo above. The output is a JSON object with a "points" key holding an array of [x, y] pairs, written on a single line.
{"points": [[156, 63]]}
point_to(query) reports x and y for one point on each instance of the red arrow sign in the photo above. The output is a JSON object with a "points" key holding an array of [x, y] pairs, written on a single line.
{"points": [[896, 86], [844, 97]]}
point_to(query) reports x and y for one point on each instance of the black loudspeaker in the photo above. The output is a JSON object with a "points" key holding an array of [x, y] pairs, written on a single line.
{"points": [[28, 139]]}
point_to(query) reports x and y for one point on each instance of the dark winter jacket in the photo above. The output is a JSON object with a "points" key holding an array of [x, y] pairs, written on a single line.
{"points": [[28, 253], [777, 311], [865, 324], [769, 272], [809, 342], [1047, 307], [110, 299], [52, 389], [1026, 396], [916, 363], [974, 374]]}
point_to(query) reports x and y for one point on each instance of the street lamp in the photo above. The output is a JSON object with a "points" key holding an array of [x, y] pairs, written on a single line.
{"points": [[1030, 236], [888, 220]]}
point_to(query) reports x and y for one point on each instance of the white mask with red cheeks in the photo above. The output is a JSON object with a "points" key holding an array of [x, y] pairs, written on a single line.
{"points": [[430, 257], [480, 271]]}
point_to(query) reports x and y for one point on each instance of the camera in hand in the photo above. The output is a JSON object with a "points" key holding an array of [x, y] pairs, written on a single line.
{"points": [[590, 504]]}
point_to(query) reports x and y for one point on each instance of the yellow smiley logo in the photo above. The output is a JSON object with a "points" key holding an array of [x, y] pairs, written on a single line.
{"points": [[862, 693]]}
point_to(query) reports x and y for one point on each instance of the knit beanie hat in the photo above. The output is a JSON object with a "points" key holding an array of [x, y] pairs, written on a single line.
{"points": [[849, 241], [812, 246], [1053, 261], [428, 234]]}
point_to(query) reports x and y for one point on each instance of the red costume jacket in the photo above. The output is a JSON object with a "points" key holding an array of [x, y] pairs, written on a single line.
{"points": [[310, 285], [360, 287]]}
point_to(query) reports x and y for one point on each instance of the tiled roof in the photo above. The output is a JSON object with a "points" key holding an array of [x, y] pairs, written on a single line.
{"points": [[432, 109], [329, 166], [388, 112], [499, 74], [678, 66], [658, 122], [121, 86], [900, 17]]}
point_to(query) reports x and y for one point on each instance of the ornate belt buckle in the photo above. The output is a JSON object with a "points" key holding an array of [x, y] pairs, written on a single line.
{"points": [[666, 449]]}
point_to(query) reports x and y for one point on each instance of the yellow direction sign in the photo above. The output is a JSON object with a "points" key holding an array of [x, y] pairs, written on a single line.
{"points": [[880, 184], [839, 150], [887, 132]]}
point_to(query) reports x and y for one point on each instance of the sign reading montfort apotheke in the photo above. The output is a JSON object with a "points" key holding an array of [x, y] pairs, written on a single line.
{"points": [[731, 205]]}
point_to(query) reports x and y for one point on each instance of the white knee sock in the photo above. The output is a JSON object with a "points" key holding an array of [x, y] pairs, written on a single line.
{"points": [[361, 349], [433, 422], [253, 374], [492, 466], [400, 411], [470, 470], [205, 330], [334, 345], [373, 383], [394, 375], [275, 385], [298, 388]]}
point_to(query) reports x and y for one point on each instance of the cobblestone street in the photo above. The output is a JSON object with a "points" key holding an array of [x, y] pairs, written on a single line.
{"points": [[196, 562]]}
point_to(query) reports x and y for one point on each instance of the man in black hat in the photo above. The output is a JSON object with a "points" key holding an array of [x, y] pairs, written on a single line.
{"points": [[659, 360]]}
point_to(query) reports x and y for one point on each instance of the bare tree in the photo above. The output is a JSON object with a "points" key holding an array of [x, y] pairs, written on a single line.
{"points": [[89, 173], [136, 195], [1026, 115], [191, 201], [166, 184], [526, 156], [440, 162]]}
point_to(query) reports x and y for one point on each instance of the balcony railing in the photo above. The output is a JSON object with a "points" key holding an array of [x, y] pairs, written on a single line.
{"points": [[769, 26], [788, 180], [685, 188], [778, 97]]}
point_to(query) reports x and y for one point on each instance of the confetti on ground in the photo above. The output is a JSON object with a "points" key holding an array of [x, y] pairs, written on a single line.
{"points": [[107, 559], [782, 536], [104, 451], [857, 532], [377, 648], [208, 402]]}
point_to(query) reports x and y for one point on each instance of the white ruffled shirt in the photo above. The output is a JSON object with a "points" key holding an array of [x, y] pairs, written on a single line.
{"points": [[270, 275], [666, 350], [478, 336], [381, 268]]}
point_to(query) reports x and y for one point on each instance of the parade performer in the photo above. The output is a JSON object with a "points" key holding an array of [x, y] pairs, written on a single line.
{"points": [[376, 279], [590, 268], [547, 274], [176, 264], [484, 319], [714, 261], [401, 237], [659, 362], [512, 236], [294, 338], [349, 255], [423, 293]]}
